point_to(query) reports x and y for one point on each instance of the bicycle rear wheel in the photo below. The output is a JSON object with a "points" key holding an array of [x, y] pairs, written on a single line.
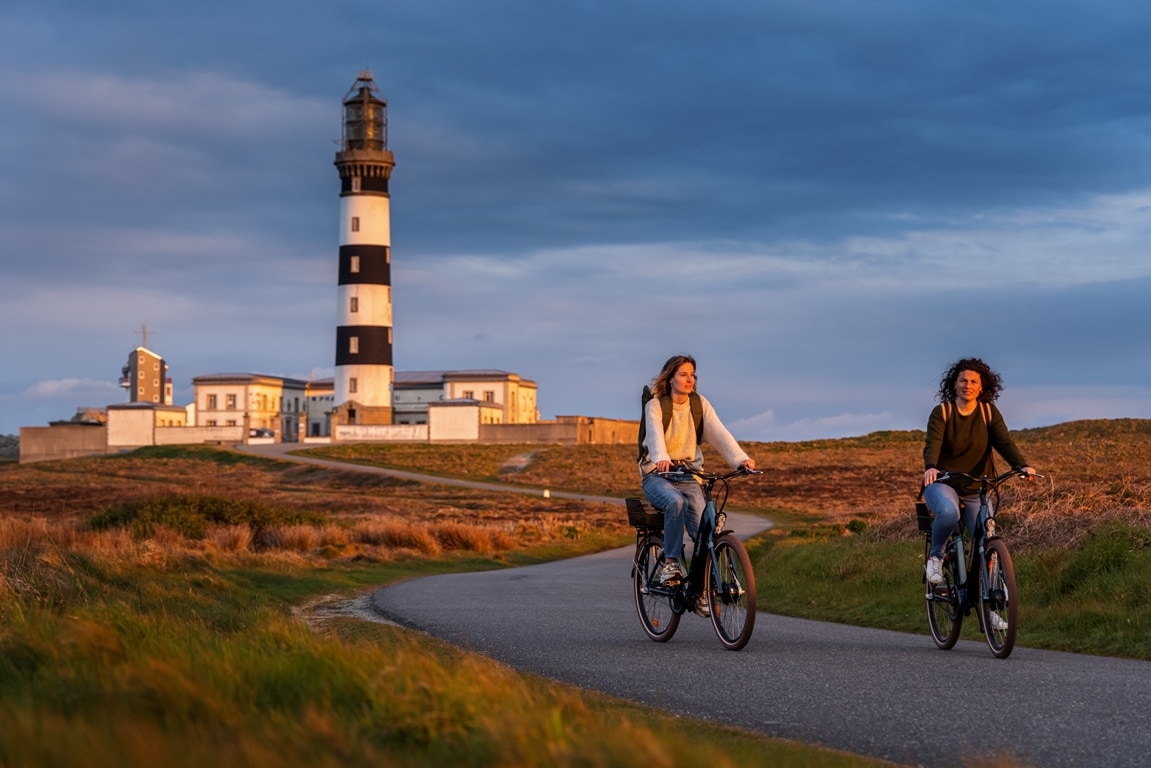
{"points": [[944, 614], [731, 598], [998, 605], [655, 613]]}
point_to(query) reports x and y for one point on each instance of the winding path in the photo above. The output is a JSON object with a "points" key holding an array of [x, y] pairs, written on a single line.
{"points": [[886, 694]]}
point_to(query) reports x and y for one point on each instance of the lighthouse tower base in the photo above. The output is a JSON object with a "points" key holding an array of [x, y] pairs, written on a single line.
{"points": [[352, 412]]}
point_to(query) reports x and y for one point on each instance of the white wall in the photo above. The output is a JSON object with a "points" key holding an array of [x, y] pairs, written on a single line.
{"points": [[130, 427], [399, 433]]}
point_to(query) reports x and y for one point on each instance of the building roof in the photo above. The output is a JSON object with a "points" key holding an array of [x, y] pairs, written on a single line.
{"points": [[144, 406], [419, 377], [487, 374], [246, 378]]}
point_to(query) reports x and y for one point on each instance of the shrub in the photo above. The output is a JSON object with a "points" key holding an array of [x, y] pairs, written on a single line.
{"points": [[193, 515]]}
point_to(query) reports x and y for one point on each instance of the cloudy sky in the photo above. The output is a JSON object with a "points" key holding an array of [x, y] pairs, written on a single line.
{"points": [[825, 202]]}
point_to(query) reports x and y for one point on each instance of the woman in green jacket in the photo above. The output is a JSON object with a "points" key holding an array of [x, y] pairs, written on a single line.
{"points": [[962, 431]]}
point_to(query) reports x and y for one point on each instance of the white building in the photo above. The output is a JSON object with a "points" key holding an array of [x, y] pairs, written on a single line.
{"points": [[506, 397], [265, 406]]}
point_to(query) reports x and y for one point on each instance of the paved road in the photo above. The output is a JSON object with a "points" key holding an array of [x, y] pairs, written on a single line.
{"points": [[887, 694]]}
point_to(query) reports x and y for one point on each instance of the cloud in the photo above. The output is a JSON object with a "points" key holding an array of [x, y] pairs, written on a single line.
{"points": [[765, 427], [824, 206], [85, 390]]}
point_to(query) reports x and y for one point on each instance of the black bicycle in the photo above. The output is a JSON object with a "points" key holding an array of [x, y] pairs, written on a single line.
{"points": [[720, 569], [991, 589]]}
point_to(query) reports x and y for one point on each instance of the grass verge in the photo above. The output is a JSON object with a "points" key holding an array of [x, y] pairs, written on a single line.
{"points": [[145, 649], [1089, 596]]}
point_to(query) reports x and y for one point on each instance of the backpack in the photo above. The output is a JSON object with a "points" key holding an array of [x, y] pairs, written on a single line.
{"points": [[665, 404], [984, 411]]}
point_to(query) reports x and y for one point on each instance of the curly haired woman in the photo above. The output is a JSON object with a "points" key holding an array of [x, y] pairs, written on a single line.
{"points": [[962, 431]]}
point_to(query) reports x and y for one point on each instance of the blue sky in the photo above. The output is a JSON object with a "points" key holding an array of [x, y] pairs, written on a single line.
{"points": [[826, 203]]}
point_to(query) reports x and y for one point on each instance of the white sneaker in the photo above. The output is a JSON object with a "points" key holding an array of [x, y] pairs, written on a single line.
{"points": [[700, 608], [934, 570], [670, 572], [998, 623]]}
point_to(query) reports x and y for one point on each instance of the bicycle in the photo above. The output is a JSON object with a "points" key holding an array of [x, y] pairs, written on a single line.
{"points": [[994, 590], [720, 569]]}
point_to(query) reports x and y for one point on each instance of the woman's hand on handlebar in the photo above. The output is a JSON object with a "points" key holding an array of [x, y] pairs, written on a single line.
{"points": [[663, 467], [748, 464], [930, 475]]}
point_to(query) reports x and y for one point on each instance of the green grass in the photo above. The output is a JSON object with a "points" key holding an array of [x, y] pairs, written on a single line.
{"points": [[1094, 597], [193, 515], [200, 663]]}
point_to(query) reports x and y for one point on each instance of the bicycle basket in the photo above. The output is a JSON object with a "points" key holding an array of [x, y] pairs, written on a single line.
{"points": [[640, 515], [923, 516]]}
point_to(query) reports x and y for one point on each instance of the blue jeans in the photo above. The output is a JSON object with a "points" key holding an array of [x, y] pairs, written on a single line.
{"points": [[943, 501], [681, 503]]}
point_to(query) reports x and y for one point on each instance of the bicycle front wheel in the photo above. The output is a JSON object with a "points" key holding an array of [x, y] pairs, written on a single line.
{"points": [[652, 603], [998, 603], [944, 614], [730, 589]]}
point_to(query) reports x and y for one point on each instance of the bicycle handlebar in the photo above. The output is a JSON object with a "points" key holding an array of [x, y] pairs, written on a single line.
{"points": [[683, 469], [993, 482]]}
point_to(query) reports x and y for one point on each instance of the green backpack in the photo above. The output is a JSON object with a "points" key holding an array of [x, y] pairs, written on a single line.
{"points": [[665, 404]]}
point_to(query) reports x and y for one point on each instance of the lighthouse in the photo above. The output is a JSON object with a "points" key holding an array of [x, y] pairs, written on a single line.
{"points": [[364, 372]]}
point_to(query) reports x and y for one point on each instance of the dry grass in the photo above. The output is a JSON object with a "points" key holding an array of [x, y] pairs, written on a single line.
{"points": [[1098, 471], [360, 514]]}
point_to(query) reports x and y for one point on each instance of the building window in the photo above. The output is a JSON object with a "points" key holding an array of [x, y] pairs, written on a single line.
{"points": [[354, 264], [155, 398], [352, 383], [489, 396], [140, 391], [355, 183], [355, 223], [212, 403], [469, 394], [354, 304], [155, 382], [140, 375], [155, 366], [231, 402], [140, 361], [211, 422], [353, 345], [230, 423]]}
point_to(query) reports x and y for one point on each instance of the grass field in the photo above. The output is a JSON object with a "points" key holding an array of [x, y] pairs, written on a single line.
{"points": [[155, 607]]}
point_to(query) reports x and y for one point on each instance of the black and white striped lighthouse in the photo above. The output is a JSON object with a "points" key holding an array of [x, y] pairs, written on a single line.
{"points": [[363, 380]]}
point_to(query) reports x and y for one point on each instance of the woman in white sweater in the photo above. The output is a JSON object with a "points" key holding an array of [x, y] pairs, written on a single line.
{"points": [[677, 420]]}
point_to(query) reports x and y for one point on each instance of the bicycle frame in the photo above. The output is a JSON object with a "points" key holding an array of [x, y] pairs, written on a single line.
{"points": [[967, 563], [711, 523], [702, 555]]}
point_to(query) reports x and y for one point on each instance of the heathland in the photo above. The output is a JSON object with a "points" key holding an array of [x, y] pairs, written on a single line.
{"points": [[165, 605]]}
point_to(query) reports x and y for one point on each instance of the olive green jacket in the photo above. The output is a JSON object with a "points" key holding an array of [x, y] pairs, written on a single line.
{"points": [[958, 443]]}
